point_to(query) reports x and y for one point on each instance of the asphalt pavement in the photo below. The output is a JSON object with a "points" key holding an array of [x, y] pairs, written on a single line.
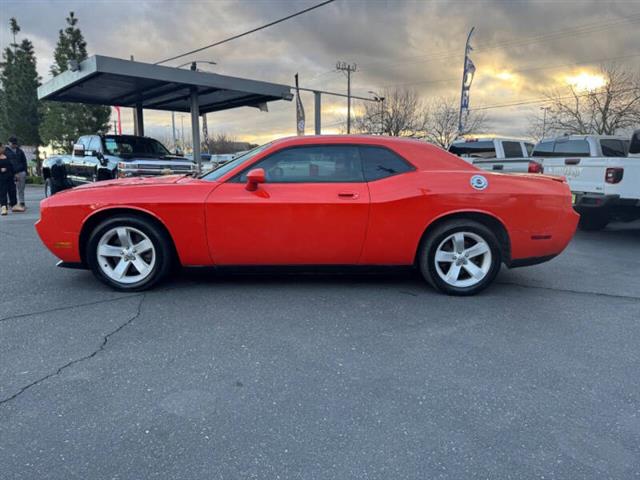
{"points": [[226, 376]]}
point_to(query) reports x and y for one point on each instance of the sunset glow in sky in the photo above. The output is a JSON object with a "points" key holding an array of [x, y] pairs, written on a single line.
{"points": [[521, 49]]}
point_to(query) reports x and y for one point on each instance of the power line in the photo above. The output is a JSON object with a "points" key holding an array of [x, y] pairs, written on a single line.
{"points": [[547, 100], [247, 32], [520, 70], [581, 30]]}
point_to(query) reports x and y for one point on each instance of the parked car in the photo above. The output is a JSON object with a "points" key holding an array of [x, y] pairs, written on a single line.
{"points": [[604, 180], [325, 200], [105, 157], [497, 154]]}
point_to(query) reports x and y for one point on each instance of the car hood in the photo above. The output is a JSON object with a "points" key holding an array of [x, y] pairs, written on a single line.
{"points": [[167, 159], [135, 181]]}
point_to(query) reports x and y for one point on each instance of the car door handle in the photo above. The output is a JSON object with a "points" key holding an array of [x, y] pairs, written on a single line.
{"points": [[348, 195]]}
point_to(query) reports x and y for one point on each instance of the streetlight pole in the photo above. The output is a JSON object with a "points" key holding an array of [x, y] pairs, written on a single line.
{"points": [[173, 130], [182, 124], [349, 68]]}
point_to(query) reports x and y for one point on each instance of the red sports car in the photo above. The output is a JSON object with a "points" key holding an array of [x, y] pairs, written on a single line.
{"points": [[311, 201]]}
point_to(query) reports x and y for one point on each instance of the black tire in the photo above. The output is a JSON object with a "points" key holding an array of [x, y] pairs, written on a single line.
{"points": [[164, 256], [592, 222], [430, 244], [48, 188]]}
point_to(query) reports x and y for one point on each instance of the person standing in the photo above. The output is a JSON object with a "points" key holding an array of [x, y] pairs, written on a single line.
{"points": [[19, 161], [7, 182]]}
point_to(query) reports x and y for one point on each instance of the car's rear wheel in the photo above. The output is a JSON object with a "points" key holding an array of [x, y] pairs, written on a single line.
{"points": [[593, 221], [129, 253], [460, 257]]}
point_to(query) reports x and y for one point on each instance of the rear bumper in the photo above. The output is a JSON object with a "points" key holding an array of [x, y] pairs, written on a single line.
{"points": [[533, 247], [589, 201]]}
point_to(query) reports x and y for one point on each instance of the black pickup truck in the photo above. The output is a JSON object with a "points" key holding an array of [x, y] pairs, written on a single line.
{"points": [[105, 157]]}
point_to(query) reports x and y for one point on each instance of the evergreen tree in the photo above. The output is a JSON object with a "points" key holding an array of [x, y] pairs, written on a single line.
{"points": [[18, 96], [62, 122]]}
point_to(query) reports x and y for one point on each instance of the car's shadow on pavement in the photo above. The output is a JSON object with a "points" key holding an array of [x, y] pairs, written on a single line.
{"points": [[290, 277]]}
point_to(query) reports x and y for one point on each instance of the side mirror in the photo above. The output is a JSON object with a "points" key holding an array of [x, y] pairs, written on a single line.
{"points": [[255, 177], [634, 147], [78, 150]]}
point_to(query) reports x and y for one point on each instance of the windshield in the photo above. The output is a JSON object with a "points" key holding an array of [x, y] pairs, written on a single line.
{"points": [[227, 167], [130, 146]]}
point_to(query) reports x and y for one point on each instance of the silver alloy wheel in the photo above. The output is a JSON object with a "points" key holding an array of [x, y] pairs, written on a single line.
{"points": [[126, 255], [463, 259]]}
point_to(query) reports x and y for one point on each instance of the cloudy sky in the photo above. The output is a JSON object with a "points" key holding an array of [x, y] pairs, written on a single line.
{"points": [[521, 49]]}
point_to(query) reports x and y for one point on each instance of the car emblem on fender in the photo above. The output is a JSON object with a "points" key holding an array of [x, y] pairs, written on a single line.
{"points": [[479, 182]]}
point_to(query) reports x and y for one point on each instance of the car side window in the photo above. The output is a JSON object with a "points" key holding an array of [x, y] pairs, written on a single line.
{"points": [[512, 149], [379, 162], [312, 164], [94, 144]]}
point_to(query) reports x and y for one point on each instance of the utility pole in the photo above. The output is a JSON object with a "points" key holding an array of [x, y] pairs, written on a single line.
{"points": [[349, 68], [544, 120]]}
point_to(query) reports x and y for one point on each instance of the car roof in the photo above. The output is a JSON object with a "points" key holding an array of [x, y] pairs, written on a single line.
{"points": [[490, 139], [420, 153], [584, 137]]}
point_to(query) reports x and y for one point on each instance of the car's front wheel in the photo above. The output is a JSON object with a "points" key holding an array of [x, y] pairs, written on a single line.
{"points": [[460, 257], [129, 253], [48, 188]]}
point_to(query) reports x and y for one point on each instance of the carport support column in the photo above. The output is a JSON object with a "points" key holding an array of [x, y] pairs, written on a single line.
{"points": [[138, 120], [317, 112], [195, 127]]}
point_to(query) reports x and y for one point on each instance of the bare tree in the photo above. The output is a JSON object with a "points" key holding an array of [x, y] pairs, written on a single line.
{"points": [[401, 114], [441, 126], [613, 108], [223, 143]]}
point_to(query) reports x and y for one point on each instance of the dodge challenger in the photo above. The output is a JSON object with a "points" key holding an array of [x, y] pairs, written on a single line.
{"points": [[316, 201]]}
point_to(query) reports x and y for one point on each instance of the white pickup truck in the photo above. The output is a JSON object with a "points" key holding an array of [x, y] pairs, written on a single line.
{"points": [[603, 173], [506, 155]]}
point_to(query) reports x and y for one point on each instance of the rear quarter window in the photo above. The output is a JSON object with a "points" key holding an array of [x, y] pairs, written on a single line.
{"points": [[378, 162]]}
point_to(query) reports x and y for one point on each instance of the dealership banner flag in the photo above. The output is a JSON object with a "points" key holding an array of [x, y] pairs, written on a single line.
{"points": [[299, 110]]}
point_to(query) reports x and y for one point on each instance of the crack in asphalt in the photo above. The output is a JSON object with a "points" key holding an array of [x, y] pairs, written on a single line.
{"points": [[68, 307], [100, 348], [567, 290]]}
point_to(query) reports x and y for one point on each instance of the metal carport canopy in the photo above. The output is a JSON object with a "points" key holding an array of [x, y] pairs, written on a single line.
{"points": [[117, 82]]}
